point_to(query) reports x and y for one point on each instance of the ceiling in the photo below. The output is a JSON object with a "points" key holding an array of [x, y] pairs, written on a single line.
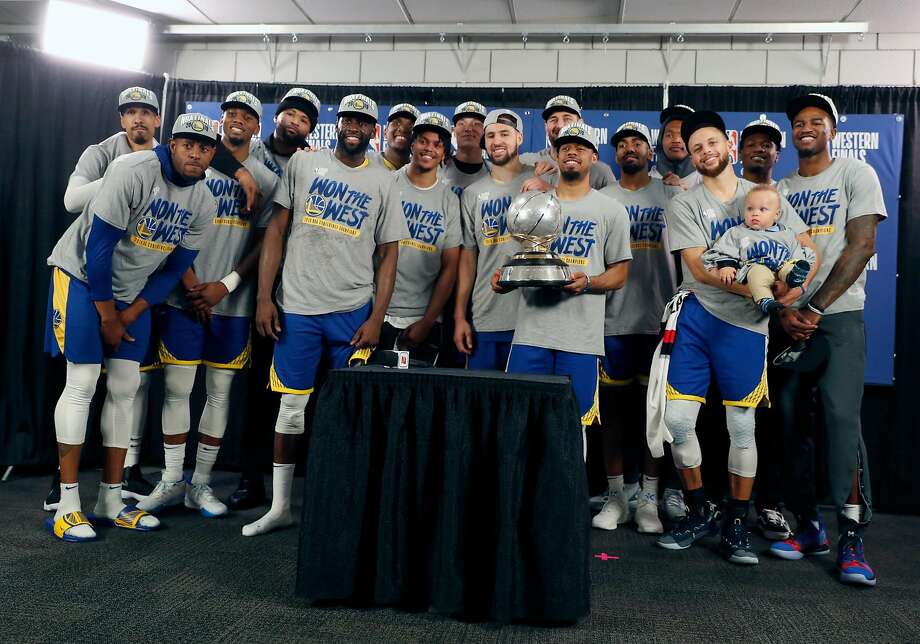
{"points": [[883, 15]]}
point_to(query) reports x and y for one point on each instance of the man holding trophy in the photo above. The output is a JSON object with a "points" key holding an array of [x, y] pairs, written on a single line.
{"points": [[576, 249]]}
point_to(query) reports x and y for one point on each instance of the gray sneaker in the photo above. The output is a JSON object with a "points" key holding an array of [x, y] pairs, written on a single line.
{"points": [[672, 504], [166, 494], [692, 527]]}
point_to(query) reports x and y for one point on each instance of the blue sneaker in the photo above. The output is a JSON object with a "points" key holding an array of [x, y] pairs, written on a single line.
{"points": [[736, 544], [799, 272], [690, 528], [807, 540], [851, 561]]}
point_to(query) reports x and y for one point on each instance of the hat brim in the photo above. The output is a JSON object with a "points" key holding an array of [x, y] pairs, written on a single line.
{"points": [[622, 134], [437, 129], [773, 134], [410, 115], [699, 120], [246, 106], [562, 140], [796, 105], [674, 112], [124, 106], [478, 115], [370, 117], [560, 108], [195, 136]]}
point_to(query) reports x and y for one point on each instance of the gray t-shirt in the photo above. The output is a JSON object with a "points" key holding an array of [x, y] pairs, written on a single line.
{"points": [[230, 238], [377, 159], [482, 207], [459, 180], [771, 247], [433, 218], [696, 218], [273, 161], [339, 215], [639, 305], [155, 214], [595, 235], [826, 202], [601, 173], [96, 158]]}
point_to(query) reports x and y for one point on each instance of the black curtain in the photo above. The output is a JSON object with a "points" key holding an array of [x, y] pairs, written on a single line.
{"points": [[58, 109], [51, 111]]}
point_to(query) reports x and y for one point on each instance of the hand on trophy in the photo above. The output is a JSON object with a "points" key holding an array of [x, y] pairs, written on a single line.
{"points": [[496, 277], [578, 285]]}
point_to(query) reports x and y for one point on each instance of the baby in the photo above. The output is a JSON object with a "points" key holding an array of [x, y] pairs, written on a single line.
{"points": [[760, 251]]}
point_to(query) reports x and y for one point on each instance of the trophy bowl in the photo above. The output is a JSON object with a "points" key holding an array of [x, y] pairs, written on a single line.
{"points": [[535, 219]]}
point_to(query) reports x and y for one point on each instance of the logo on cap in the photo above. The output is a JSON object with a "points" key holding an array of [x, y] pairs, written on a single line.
{"points": [[239, 97], [358, 103], [469, 107], [136, 95], [561, 100], [574, 131]]}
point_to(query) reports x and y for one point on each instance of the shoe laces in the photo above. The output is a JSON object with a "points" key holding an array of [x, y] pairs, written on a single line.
{"points": [[852, 549], [774, 516], [675, 501]]}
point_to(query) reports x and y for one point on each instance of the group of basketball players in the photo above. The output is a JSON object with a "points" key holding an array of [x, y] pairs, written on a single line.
{"points": [[343, 256]]}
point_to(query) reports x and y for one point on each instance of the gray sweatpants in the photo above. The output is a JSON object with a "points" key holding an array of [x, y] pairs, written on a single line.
{"points": [[839, 381]]}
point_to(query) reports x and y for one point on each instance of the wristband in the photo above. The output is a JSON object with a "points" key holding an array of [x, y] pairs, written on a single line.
{"points": [[231, 281], [814, 309], [587, 284]]}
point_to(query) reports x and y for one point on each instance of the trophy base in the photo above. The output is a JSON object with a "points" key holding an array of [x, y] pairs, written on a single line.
{"points": [[535, 269]]}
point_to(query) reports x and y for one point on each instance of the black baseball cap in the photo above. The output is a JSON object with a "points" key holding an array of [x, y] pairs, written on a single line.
{"points": [[674, 112], [820, 101], [698, 120]]}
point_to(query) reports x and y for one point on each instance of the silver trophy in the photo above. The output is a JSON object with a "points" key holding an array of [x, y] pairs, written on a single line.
{"points": [[535, 219]]}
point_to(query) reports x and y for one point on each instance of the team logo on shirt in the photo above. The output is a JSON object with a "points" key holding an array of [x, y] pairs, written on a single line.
{"points": [[336, 206], [162, 226], [492, 215], [768, 252], [145, 228], [226, 193]]}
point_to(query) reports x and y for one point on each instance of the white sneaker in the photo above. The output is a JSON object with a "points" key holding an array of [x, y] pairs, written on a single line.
{"points": [[647, 521], [614, 512], [165, 494], [201, 497], [672, 502]]}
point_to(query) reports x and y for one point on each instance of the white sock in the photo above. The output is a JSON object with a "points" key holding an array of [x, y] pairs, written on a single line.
{"points": [[109, 503], [173, 458], [650, 485], [70, 499], [615, 485], [138, 422], [851, 511], [204, 462], [279, 515]]}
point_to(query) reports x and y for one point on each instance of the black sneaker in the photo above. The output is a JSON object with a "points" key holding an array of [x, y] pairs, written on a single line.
{"points": [[692, 527], [54, 494], [736, 544], [134, 485], [250, 493], [773, 525]]}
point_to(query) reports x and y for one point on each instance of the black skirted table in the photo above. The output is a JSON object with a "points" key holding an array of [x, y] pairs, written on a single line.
{"points": [[458, 491]]}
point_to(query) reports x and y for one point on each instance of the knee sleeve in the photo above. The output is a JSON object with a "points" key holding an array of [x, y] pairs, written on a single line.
{"points": [[179, 381], [290, 413], [72, 409], [742, 453], [217, 409], [124, 377], [139, 419], [680, 419]]}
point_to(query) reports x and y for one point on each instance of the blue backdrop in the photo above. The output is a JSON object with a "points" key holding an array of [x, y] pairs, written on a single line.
{"points": [[876, 139]]}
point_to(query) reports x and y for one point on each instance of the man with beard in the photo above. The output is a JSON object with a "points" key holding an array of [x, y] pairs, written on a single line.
{"points": [[140, 116], [207, 320], [632, 327], [427, 266], [561, 111], [466, 166], [337, 223], [840, 200], [487, 245], [123, 255], [719, 330], [296, 118], [396, 137], [561, 330], [672, 161], [758, 147]]}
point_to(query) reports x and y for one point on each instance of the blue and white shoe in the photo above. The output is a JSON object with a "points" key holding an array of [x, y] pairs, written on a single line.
{"points": [[201, 497], [851, 561], [807, 540], [693, 527]]}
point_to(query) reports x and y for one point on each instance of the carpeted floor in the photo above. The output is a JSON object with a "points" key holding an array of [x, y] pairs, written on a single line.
{"points": [[199, 580]]}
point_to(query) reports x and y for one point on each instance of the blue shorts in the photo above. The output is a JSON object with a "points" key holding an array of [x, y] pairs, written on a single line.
{"points": [[627, 358], [72, 325], [580, 367], [490, 350], [222, 342], [705, 346], [308, 340]]}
